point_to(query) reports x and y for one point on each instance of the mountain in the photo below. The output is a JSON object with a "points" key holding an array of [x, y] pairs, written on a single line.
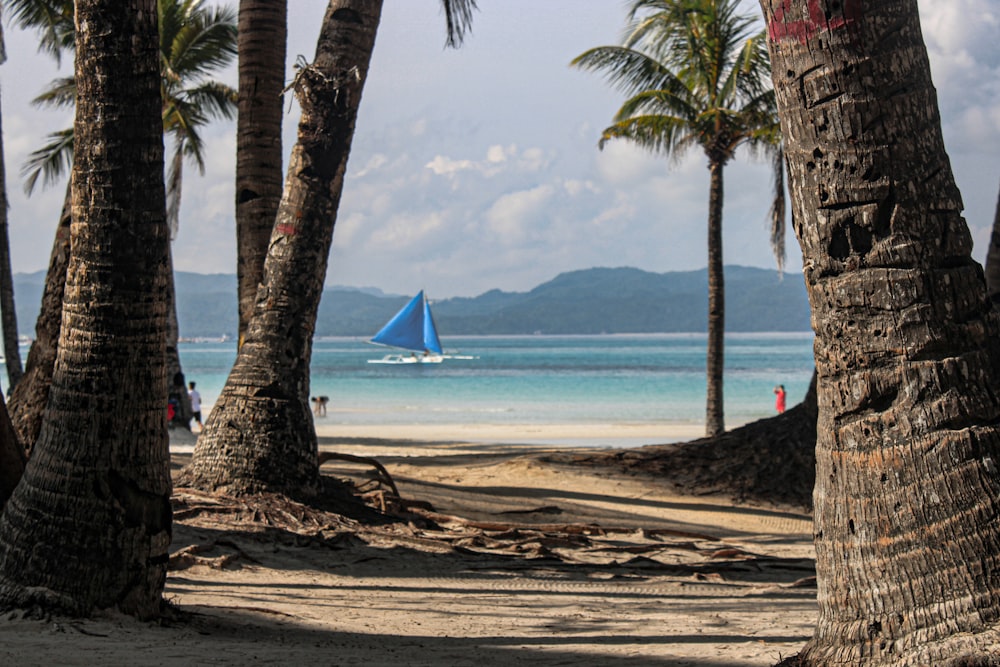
{"points": [[590, 301]]}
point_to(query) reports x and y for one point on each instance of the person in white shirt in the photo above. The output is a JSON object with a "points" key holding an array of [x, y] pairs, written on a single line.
{"points": [[195, 403]]}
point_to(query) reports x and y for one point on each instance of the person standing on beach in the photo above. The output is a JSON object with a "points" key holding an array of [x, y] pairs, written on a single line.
{"points": [[195, 403], [779, 398]]}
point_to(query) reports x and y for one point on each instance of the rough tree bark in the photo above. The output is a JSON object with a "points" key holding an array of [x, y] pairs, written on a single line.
{"points": [[12, 457], [907, 346], [260, 435], [88, 527], [27, 402], [263, 35]]}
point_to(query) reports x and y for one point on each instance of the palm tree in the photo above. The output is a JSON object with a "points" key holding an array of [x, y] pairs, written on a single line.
{"points": [[260, 434], [8, 316], [88, 526], [263, 32], [696, 75], [907, 345], [194, 43]]}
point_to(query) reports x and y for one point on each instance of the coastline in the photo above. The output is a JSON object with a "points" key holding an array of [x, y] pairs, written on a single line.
{"points": [[544, 435]]}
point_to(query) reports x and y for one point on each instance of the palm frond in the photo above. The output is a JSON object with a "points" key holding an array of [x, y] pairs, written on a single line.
{"points": [[629, 70], [655, 133], [196, 41], [665, 102], [60, 93], [50, 161], [53, 19], [458, 19], [215, 100], [3, 46], [181, 120]]}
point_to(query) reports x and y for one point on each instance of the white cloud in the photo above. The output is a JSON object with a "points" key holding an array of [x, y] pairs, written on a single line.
{"points": [[406, 232], [515, 217], [574, 187], [443, 166], [533, 159], [497, 153], [375, 162]]}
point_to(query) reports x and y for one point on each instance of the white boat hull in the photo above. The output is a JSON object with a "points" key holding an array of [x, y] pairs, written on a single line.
{"points": [[408, 359], [418, 359]]}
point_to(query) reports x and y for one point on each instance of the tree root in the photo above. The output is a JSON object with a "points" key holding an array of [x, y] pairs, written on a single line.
{"points": [[384, 475]]}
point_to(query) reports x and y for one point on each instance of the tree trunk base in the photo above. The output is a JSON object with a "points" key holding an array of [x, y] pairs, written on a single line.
{"points": [[959, 650]]}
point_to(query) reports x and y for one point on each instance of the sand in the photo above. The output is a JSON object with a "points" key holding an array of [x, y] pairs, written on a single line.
{"points": [[503, 558]]}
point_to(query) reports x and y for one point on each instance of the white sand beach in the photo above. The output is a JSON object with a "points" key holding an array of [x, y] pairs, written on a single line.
{"points": [[497, 557]]}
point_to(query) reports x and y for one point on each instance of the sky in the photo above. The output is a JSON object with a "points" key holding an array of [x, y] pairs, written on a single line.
{"points": [[478, 168]]}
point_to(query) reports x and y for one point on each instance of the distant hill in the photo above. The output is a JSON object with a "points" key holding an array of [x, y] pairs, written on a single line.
{"points": [[590, 301]]}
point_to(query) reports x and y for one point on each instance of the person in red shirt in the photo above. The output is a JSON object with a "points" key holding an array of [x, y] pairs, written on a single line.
{"points": [[779, 398]]}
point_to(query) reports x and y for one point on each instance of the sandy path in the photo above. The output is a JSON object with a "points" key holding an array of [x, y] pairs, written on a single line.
{"points": [[575, 568]]}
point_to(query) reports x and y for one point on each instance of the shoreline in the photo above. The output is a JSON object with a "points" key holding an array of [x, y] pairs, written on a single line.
{"points": [[380, 437]]}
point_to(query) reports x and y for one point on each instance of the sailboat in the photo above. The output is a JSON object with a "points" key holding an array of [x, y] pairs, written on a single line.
{"points": [[412, 328]]}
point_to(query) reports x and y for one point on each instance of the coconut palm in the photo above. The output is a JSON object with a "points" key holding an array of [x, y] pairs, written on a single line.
{"points": [[88, 526], [194, 43], [263, 34], [696, 74], [8, 317], [260, 435], [907, 345]]}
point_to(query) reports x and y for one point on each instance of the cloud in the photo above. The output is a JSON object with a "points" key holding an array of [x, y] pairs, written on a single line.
{"points": [[408, 232], [514, 217], [961, 40], [496, 160], [444, 166], [373, 164], [497, 154]]}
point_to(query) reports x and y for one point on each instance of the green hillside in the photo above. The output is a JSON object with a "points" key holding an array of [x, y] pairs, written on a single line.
{"points": [[590, 301]]}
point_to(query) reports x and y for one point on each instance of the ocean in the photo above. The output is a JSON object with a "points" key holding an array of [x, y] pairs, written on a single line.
{"points": [[656, 379]]}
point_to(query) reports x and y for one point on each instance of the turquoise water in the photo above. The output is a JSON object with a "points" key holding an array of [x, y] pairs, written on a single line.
{"points": [[641, 379]]}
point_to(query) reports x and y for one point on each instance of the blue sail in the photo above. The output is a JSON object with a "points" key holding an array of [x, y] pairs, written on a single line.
{"points": [[431, 340], [412, 328]]}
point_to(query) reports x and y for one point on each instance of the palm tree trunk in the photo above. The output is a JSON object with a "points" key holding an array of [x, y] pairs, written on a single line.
{"points": [[8, 316], [907, 346], [260, 435], [88, 527], [12, 457], [714, 419], [262, 42], [27, 402]]}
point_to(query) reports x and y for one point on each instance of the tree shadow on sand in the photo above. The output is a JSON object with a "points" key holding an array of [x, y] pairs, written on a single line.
{"points": [[566, 578], [771, 460]]}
